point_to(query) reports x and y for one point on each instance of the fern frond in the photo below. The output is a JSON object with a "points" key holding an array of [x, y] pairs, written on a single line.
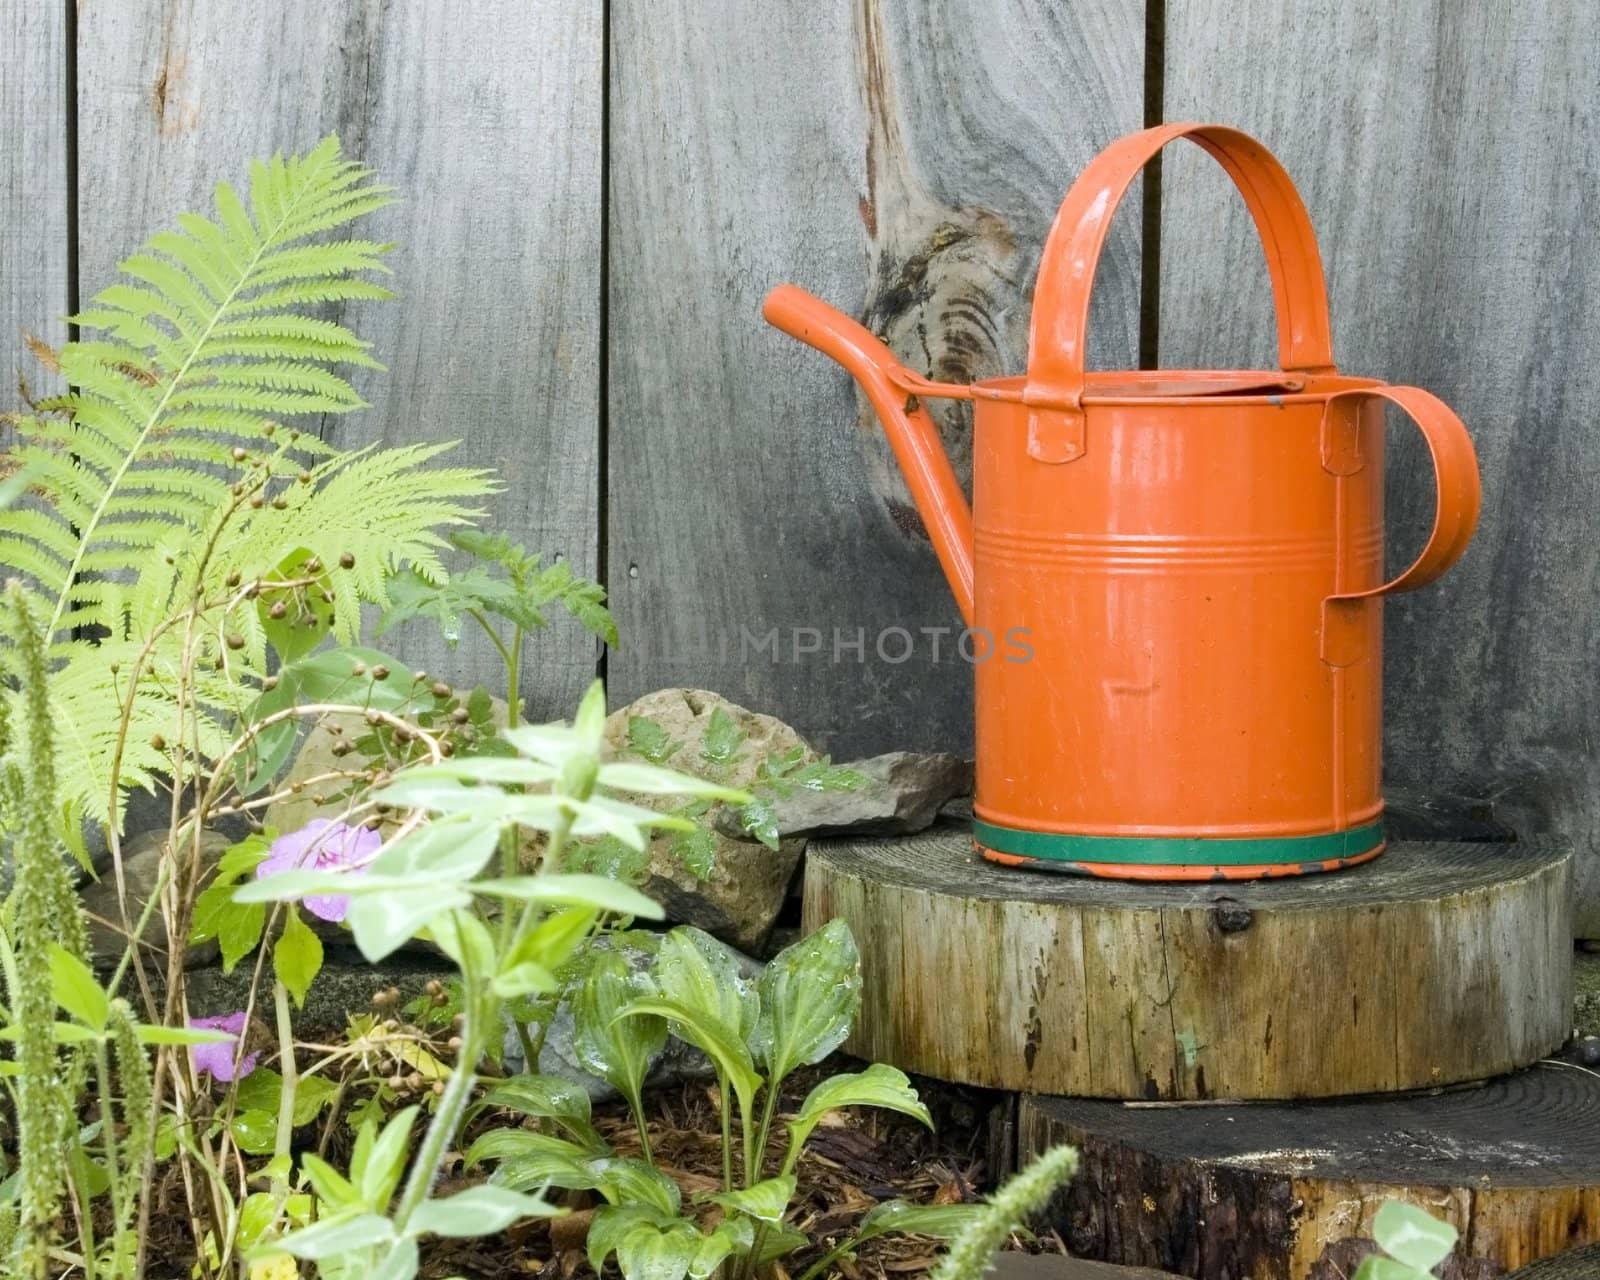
{"points": [[174, 462]]}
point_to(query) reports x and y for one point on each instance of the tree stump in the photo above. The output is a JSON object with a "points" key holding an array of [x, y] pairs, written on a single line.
{"points": [[1288, 1191], [1434, 964]]}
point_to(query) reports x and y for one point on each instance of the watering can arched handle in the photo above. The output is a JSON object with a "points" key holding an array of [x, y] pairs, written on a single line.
{"points": [[1057, 332], [1457, 496]]}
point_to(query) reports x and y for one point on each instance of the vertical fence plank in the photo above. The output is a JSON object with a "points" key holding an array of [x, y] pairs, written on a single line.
{"points": [[33, 192], [902, 161], [1446, 153], [489, 125]]}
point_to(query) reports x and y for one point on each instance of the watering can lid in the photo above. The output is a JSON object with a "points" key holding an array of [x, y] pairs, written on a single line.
{"points": [[1122, 384]]}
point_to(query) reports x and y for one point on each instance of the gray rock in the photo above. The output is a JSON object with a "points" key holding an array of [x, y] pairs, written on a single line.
{"points": [[741, 898], [141, 870], [904, 792]]}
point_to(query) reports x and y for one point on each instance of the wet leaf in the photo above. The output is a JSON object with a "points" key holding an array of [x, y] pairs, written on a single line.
{"points": [[810, 995]]}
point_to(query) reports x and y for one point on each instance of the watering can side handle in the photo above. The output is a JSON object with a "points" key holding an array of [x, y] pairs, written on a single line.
{"points": [[912, 435], [1057, 336], [1457, 488]]}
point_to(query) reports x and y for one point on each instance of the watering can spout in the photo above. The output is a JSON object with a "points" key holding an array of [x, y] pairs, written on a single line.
{"points": [[933, 484]]}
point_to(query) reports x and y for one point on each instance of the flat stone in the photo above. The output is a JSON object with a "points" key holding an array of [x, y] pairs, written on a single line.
{"points": [[903, 794]]}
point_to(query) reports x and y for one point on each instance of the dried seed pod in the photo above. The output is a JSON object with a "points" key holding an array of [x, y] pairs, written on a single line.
{"points": [[158, 742], [304, 477], [441, 689], [380, 672], [314, 565], [461, 715], [279, 608], [373, 717], [270, 683], [234, 640], [341, 748], [360, 669], [279, 503], [347, 561], [239, 454], [257, 501], [269, 430], [233, 579]]}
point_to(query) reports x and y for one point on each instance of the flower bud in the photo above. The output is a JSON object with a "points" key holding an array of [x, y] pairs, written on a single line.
{"points": [[347, 561]]}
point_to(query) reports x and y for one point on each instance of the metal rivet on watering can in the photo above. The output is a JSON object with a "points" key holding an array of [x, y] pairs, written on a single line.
{"points": [[1200, 590]]}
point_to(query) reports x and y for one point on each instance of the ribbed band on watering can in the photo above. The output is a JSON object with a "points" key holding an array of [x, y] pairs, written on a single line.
{"points": [[1202, 585]]}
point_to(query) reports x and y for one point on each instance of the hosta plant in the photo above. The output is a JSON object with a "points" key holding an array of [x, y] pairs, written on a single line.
{"points": [[756, 1034]]}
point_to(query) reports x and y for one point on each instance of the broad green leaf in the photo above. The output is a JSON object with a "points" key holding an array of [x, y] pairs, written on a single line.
{"points": [[697, 850], [940, 1221], [1375, 1267], [236, 926], [256, 1132], [573, 891], [479, 1211], [649, 1252], [589, 723], [618, 1050], [810, 994], [296, 957], [779, 1241], [647, 738], [527, 1160], [878, 1086], [462, 936], [549, 1098], [399, 1263], [713, 1038], [331, 1186], [722, 737], [260, 1091], [646, 779], [1411, 1236], [444, 852], [381, 923], [623, 1181], [766, 1201], [612, 1223], [759, 821], [338, 1235], [629, 823], [75, 989], [556, 937], [526, 979], [732, 1237], [378, 1174], [700, 973]]}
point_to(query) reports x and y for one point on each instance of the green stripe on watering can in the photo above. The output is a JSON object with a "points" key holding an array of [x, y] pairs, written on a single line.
{"points": [[1177, 851]]}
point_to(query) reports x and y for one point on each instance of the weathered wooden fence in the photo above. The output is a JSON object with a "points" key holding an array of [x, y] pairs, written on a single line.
{"points": [[598, 196]]}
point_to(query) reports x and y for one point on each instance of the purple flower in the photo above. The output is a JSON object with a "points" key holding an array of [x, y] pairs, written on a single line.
{"points": [[321, 845], [216, 1059]]}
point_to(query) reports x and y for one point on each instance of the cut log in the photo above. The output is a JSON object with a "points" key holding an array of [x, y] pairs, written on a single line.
{"points": [[1288, 1191], [1434, 964], [1574, 1264]]}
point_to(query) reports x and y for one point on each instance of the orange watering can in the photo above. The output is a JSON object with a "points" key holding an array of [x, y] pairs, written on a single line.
{"points": [[1194, 561]]}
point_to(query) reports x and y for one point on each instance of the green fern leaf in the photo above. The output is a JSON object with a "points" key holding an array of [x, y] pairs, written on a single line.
{"points": [[174, 462]]}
